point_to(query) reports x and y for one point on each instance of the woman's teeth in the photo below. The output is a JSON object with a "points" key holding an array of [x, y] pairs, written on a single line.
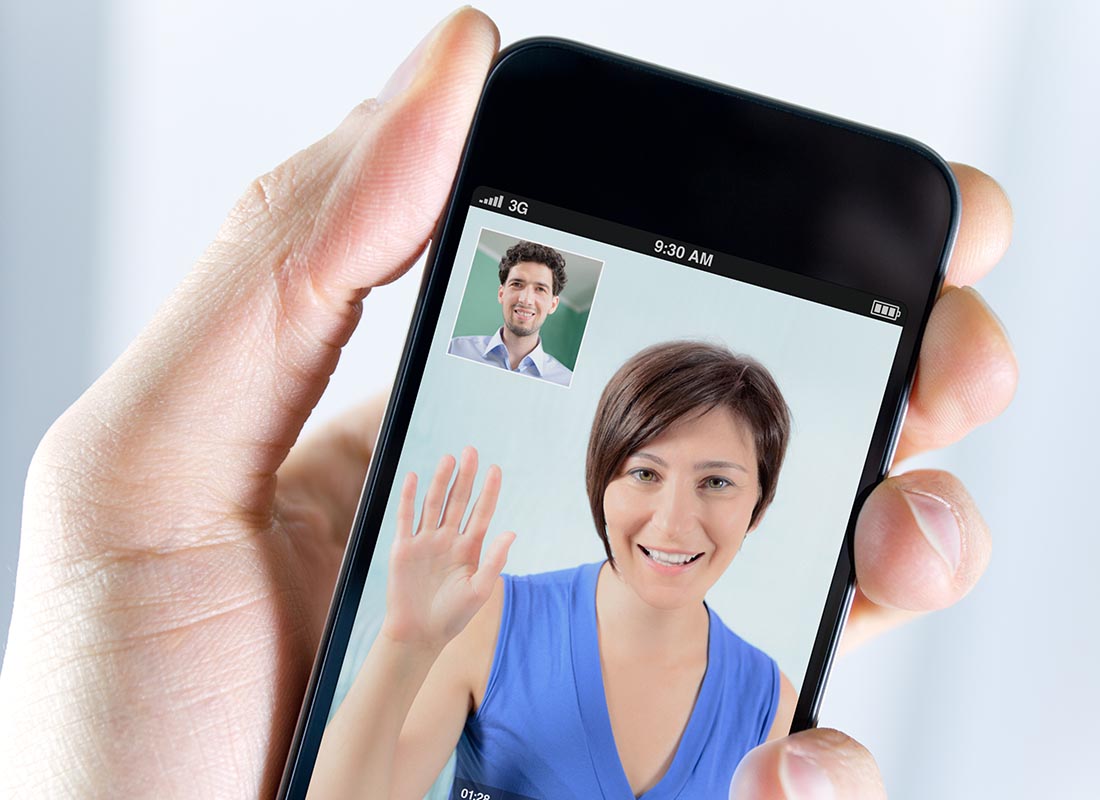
{"points": [[671, 559]]}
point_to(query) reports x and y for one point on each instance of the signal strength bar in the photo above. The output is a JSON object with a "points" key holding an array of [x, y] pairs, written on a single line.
{"points": [[495, 202]]}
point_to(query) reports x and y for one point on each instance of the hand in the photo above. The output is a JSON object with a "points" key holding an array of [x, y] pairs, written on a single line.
{"points": [[435, 584], [920, 543], [176, 565]]}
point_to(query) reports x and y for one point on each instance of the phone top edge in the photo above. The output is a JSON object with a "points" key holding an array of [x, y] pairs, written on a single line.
{"points": [[580, 48]]}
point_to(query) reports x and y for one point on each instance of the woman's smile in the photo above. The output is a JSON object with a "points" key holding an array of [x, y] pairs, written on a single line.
{"points": [[669, 562]]}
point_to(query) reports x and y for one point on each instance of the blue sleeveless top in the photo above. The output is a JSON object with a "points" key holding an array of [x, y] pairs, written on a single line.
{"points": [[543, 732]]}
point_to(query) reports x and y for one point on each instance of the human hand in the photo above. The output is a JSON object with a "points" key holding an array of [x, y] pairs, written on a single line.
{"points": [[176, 565], [435, 583], [920, 543]]}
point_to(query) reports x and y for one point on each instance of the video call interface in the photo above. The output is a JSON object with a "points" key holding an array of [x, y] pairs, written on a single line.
{"points": [[675, 438]]}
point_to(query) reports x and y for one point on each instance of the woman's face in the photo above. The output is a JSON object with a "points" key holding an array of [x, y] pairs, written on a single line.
{"points": [[678, 509]]}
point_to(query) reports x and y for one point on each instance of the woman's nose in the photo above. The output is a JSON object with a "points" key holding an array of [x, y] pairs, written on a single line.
{"points": [[674, 513]]}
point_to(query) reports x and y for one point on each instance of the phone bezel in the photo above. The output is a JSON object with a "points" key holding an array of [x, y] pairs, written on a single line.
{"points": [[688, 189]]}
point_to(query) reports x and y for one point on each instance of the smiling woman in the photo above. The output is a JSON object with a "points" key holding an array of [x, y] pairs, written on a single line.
{"points": [[683, 461], [604, 679]]}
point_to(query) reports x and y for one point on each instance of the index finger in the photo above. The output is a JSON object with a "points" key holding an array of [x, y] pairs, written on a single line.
{"points": [[985, 226]]}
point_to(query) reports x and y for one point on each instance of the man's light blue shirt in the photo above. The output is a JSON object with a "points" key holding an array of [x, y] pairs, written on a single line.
{"points": [[491, 350]]}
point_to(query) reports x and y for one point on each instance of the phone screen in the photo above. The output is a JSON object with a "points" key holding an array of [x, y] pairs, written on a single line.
{"points": [[733, 404]]}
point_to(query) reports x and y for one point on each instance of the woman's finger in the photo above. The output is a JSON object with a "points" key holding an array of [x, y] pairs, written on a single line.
{"points": [[437, 491], [966, 374], [820, 764], [459, 498], [985, 226], [920, 545], [492, 564], [486, 504], [406, 508], [209, 399]]}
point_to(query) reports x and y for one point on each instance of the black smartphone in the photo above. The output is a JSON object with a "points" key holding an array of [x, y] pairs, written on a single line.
{"points": [[660, 355]]}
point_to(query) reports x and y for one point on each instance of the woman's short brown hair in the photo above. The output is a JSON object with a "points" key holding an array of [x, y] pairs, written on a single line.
{"points": [[672, 381]]}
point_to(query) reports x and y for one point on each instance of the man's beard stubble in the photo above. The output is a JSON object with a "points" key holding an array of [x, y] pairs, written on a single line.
{"points": [[518, 331]]}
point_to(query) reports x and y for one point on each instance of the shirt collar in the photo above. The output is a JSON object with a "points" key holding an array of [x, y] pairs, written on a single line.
{"points": [[537, 357]]}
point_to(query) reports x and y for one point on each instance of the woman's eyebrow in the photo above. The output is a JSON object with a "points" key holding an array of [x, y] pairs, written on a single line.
{"points": [[699, 466], [720, 465]]}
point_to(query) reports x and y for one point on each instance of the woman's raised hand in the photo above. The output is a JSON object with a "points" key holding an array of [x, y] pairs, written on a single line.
{"points": [[436, 583]]}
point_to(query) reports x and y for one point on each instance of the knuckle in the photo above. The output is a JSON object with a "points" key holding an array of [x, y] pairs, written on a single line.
{"points": [[967, 374]]}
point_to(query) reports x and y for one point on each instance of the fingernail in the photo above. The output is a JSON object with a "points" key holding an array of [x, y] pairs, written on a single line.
{"points": [[405, 74], [939, 525], [803, 779]]}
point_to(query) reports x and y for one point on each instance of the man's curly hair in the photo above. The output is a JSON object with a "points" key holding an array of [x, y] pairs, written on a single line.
{"points": [[537, 254]]}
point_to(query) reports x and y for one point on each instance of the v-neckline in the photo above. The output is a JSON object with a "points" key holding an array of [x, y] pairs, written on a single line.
{"points": [[589, 682]]}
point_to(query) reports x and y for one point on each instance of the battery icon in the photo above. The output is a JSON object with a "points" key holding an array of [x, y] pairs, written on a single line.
{"points": [[885, 310]]}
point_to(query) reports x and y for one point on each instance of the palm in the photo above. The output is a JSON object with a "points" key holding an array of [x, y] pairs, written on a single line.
{"points": [[435, 582], [199, 647], [432, 580]]}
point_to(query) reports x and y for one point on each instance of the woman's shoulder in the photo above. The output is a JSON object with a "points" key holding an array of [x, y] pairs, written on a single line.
{"points": [[549, 597], [522, 595], [527, 615], [740, 647], [757, 677], [560, 579]]}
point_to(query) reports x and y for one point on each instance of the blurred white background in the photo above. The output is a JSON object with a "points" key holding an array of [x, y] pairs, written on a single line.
{"points": [[128, 128]]}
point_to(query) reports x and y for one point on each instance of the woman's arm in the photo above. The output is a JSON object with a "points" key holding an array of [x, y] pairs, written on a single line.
{"points": [[436, 587], [452, 691], [357, 752], [788, 699]]}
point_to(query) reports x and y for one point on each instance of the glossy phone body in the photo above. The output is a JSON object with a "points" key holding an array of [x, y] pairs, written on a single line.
{"points": [[648, 181]]}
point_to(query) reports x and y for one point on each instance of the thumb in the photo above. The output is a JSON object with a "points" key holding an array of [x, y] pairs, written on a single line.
{"points": [[819, 764], [206, 403]]}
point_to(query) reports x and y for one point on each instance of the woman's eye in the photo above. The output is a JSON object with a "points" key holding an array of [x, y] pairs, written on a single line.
{"points": [[717, 483], [644, 475]]}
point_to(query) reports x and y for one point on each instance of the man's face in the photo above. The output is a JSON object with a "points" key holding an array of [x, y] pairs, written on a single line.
{"points": [[526, 297]]}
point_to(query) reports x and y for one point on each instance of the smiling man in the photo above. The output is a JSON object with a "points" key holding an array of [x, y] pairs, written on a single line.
{"points": [[531, 279]]}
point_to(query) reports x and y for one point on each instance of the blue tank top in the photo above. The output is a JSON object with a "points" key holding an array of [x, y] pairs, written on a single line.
{"points": [[543, 732]]}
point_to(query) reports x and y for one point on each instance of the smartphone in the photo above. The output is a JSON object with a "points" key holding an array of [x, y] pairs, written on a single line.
{"points": [[661, 353]]}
